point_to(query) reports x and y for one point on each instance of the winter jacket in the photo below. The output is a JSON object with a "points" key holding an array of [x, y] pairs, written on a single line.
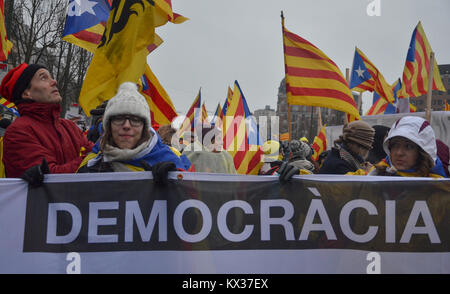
{"points": [[39, 133], [156, 151], [436, 172], [336, 163]]}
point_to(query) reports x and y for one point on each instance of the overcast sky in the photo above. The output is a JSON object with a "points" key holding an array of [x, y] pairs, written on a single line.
{"points": [[228, 40]]}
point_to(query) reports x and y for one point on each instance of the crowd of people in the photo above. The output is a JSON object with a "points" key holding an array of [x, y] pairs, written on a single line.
{"points": [[122, 138]]}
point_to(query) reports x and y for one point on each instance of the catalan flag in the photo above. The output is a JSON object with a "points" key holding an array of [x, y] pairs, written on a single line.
{"points": [[218, 116], [312, 78], [241, 135], [122, 54], [417, 66], [161, 106], [284, 137], [5, 44], [319, 144], [204, 118], [366, 77], [447, 106], [193, 116], [227, 101]]}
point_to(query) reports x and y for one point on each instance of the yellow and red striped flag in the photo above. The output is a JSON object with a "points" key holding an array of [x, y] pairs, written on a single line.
{"points": [[161, 106], [417, 67], [5, 44], [241, 135], [204, 118], [366, 77], [447, 106], [314, 79], [284, 137], [218, 116], [319, 144], [193, 116]]}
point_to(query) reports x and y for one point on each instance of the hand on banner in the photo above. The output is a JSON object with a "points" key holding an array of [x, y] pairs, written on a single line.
{"points": [[160, 171], [287, 171], [35, 174]]}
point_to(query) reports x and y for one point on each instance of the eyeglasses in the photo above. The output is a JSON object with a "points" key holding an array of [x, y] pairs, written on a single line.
{"points": [[120, 120]]}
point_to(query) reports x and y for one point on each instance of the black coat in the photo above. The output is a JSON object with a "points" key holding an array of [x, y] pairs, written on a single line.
{"points": [[334, 164]]}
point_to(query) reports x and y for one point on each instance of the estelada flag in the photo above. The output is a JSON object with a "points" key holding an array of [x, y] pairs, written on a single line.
{"points": [[241, 135], [365, 76], [122, 54], [417, 67]]}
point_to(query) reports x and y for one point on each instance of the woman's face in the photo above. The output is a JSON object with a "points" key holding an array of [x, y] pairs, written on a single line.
{"points": [[404, 153], [126, 130]]}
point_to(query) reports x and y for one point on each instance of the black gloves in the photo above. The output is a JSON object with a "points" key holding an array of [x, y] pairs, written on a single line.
{"points": [[287, 171], [35, 174], [160, 171]]}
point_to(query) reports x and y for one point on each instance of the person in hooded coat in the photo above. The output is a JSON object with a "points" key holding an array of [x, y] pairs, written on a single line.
{"points": [[411, 150]]}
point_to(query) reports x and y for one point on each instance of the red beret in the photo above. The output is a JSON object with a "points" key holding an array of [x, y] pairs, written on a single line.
{"points": [[9, 81]]}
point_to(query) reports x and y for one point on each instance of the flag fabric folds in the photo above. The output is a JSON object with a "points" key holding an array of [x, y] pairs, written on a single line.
{"points": [[241, 135], [417, 64], [314, 79], [122, 54], [5, 44], [193, 116], [366, 77], [85, 22], [9, 106], [204, 118], [319, 144], [218, 116], [161, 106]]}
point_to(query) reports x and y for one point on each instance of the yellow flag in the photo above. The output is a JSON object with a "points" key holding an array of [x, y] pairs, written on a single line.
{"points": [[122, 54]]}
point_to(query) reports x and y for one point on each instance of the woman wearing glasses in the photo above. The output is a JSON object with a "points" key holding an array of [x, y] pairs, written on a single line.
{"points": [[129, 143]]}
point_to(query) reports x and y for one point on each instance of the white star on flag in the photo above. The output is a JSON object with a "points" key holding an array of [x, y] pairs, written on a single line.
{"points": [[360, 72], [78, 7]]}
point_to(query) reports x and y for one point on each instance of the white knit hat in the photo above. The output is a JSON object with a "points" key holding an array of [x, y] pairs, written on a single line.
{"points": [[416, 129], [127, 101]]}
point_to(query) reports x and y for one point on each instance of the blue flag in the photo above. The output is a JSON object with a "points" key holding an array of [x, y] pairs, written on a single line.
{"points": [[83, 14]]}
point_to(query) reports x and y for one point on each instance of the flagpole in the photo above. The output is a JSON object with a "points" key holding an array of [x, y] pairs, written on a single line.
{"points": [[347, 78], [430, 88], [319, 120], [359, 103], [285, 76]]}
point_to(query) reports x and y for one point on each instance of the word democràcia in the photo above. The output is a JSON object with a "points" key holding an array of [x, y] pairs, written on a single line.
{"points": [[158, 216]]}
